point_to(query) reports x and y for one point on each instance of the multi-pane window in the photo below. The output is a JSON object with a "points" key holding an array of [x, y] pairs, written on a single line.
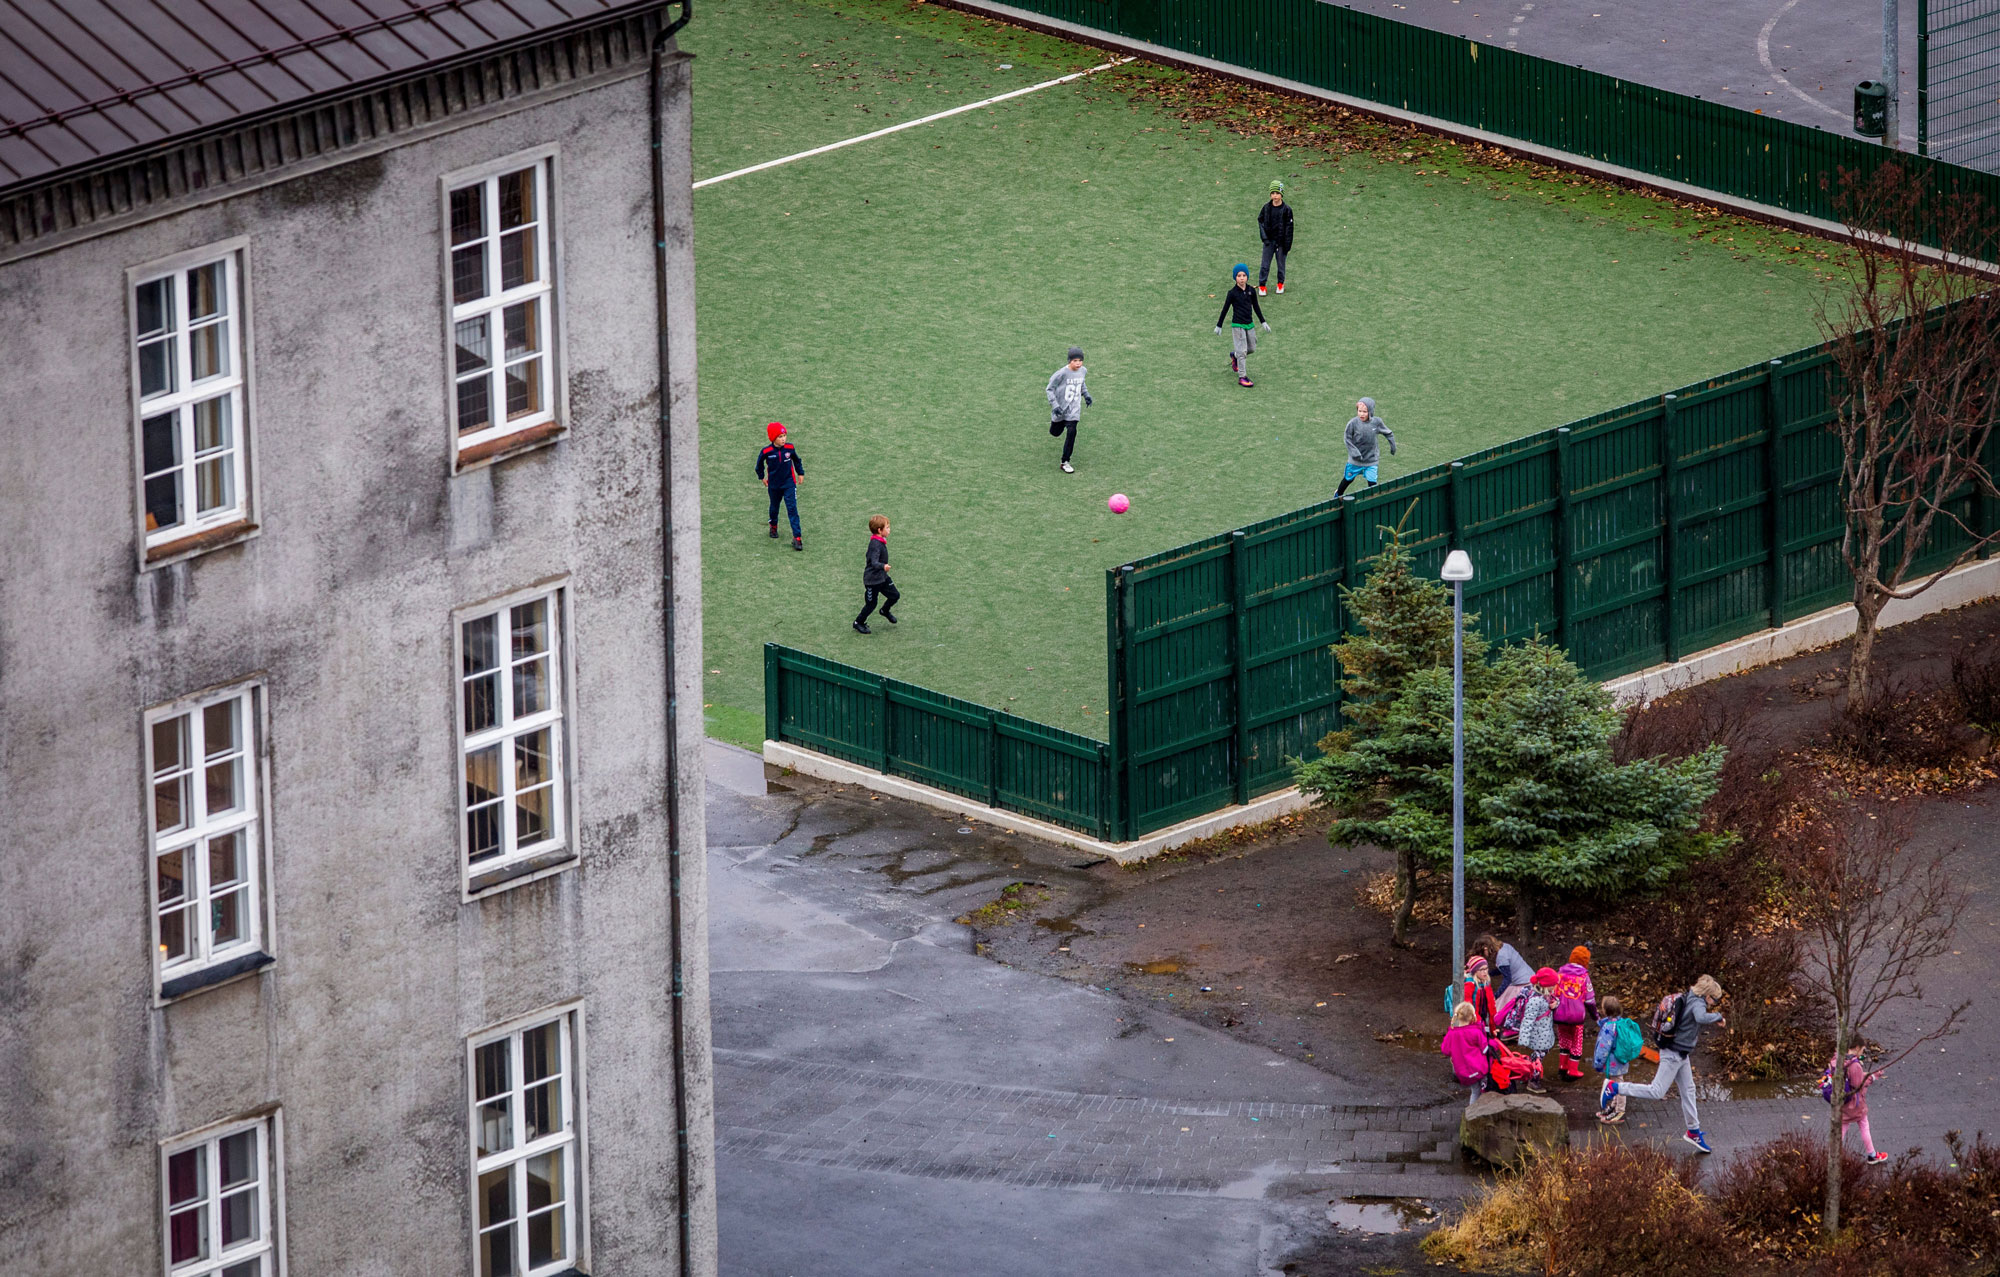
{"points": [[217, 1200], [187, 335], [204, 832], [524, 1151], [511, 722], [500, 285]]}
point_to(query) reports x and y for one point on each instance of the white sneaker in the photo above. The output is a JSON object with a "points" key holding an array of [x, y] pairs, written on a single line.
{"points": [[1068, 468]]}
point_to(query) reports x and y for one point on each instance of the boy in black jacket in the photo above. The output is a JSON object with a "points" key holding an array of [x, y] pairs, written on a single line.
{"points": [[778, 465], [875, 582], [1237, 307], [1274, 228]]}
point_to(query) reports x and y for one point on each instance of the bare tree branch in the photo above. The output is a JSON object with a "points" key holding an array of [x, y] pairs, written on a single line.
{"points": [[1915, 348]]}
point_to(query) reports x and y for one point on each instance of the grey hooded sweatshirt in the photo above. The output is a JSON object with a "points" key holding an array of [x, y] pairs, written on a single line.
{"points": [[1066, 392], [1361, 446]]}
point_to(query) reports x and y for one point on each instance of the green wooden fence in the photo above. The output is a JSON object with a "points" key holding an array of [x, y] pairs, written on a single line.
{"points": [[900, 729], [1585, 113]]}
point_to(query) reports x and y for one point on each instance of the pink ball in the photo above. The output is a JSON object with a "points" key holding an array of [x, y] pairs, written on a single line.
{"points": [[1118, 503]]}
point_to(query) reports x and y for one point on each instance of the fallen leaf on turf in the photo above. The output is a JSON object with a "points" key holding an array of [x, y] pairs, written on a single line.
{"points": [[1346, 957]]}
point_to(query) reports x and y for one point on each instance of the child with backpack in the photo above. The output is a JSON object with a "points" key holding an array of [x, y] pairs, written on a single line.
{"points": [[1855, 1079], [1677, 1025], [1576, 1002], [1477, 991], [1467, 1046], [1619, 1042], [1538, 1023]]}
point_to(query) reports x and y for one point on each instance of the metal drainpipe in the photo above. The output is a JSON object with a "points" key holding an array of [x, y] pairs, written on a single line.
{"points": [[682, 1154]]}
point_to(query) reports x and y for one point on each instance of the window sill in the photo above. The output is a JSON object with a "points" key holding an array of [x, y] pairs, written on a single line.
{"points": [[209, 977], [484, 880], [199, 543], [508, 445]]}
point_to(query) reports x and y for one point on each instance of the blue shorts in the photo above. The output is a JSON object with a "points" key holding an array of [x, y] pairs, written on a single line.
{"points": [[1366, 472]]}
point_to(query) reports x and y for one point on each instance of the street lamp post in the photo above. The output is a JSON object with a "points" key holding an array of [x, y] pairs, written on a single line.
{"points": [[1457, 570]]}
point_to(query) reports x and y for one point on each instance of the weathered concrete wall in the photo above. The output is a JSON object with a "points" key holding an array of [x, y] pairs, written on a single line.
{"points": [[342, 606]]}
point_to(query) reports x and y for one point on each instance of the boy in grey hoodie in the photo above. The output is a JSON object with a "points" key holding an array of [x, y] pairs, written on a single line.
{"points": [[1362, 451], [1067, 396]]}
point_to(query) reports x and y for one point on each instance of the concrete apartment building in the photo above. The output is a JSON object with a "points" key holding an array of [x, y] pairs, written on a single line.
{"points": [[349, 574]]}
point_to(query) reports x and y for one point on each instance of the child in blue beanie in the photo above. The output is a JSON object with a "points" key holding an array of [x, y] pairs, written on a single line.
{"points": [[1238, 307]]}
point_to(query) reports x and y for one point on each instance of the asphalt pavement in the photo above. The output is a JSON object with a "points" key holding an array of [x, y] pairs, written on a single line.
{"points": [[890, 1102], [1798, 60]]}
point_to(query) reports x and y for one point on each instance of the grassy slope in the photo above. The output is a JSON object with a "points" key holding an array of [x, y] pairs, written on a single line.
{"points": [[901, 304]]}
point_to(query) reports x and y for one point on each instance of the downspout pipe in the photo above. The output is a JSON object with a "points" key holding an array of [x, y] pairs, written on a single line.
{"points": [[683, 1157]]}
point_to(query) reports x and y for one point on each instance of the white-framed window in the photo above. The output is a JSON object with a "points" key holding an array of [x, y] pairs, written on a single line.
{"points": [[511, 729], [188, 357], [204, 819], [525, 1161], [500, 278], [217, 1199]]}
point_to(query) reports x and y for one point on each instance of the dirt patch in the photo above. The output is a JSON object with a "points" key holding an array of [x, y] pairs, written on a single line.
{"points": [[1279, 940]]}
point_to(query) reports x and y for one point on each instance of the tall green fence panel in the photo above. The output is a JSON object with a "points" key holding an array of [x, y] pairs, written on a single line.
{"points": [[996, 758], [1585, 113], [1633, 537]]}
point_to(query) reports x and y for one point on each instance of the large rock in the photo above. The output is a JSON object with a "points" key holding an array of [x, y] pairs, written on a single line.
{"points": [[1500, 1128]]}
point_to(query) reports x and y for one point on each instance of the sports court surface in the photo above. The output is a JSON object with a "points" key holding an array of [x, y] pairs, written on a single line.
{"points": [[900, 304]]}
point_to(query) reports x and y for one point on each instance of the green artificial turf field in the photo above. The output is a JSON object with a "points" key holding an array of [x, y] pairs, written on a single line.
{"points": [[900, 304]]}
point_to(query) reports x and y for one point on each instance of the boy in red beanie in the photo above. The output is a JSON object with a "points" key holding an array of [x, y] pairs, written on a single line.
{"points": [[778, 465]]}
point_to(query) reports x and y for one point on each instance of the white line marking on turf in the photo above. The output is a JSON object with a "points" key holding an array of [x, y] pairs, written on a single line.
{"points": [[910, 124]]}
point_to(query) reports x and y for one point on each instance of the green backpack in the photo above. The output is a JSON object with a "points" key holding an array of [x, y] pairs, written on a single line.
{"points": [[1627, 1042]]}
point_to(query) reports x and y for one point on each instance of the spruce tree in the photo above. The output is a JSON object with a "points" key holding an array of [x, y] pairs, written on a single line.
{"points": [[1402, 625]]}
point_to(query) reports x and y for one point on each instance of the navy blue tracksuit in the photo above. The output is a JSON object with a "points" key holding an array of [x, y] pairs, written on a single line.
{"points": [[777, 465]]}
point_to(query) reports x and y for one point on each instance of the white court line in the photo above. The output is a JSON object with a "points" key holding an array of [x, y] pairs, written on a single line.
{"points": [[910, 124], [1764, 56]]}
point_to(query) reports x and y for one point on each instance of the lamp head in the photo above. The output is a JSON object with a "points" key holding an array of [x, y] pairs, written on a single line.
{"points": [[1457, 566]]}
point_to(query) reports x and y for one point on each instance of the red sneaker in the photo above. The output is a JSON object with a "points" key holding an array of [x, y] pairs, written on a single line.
{"points": [[1281, 288], [1265, 292]]}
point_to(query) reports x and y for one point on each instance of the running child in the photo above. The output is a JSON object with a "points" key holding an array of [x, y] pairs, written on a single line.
{"points": [[1238, 305], [875, 582], [778, 465], [1851, 1082], [1364, 428], [1274, 228], [1067, 396]]}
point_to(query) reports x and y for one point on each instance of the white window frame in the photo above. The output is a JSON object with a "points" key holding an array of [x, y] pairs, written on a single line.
{"points": [[191, 839], [544, 293], [567, 1142], [508, 727], [267, 1249], [181, 401]]}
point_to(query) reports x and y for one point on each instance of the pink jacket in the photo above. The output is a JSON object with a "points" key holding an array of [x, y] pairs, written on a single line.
{"points": [[1575, 998], [1465, 1046]]}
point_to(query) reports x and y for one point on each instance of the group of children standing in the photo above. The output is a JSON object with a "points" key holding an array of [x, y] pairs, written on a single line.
{"points": [[1498, 1040]]}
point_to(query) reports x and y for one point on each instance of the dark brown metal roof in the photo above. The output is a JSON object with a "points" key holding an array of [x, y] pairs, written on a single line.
{"points": [[83, 81]]}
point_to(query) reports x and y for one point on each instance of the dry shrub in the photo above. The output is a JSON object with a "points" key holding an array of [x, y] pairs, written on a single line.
{"points": [[1909, 1217], [1908, 723], [1608, 1208], [1975, 678]]}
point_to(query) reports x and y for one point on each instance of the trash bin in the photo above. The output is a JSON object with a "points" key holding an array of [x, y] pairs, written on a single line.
{"points": [[1871, 108]]}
